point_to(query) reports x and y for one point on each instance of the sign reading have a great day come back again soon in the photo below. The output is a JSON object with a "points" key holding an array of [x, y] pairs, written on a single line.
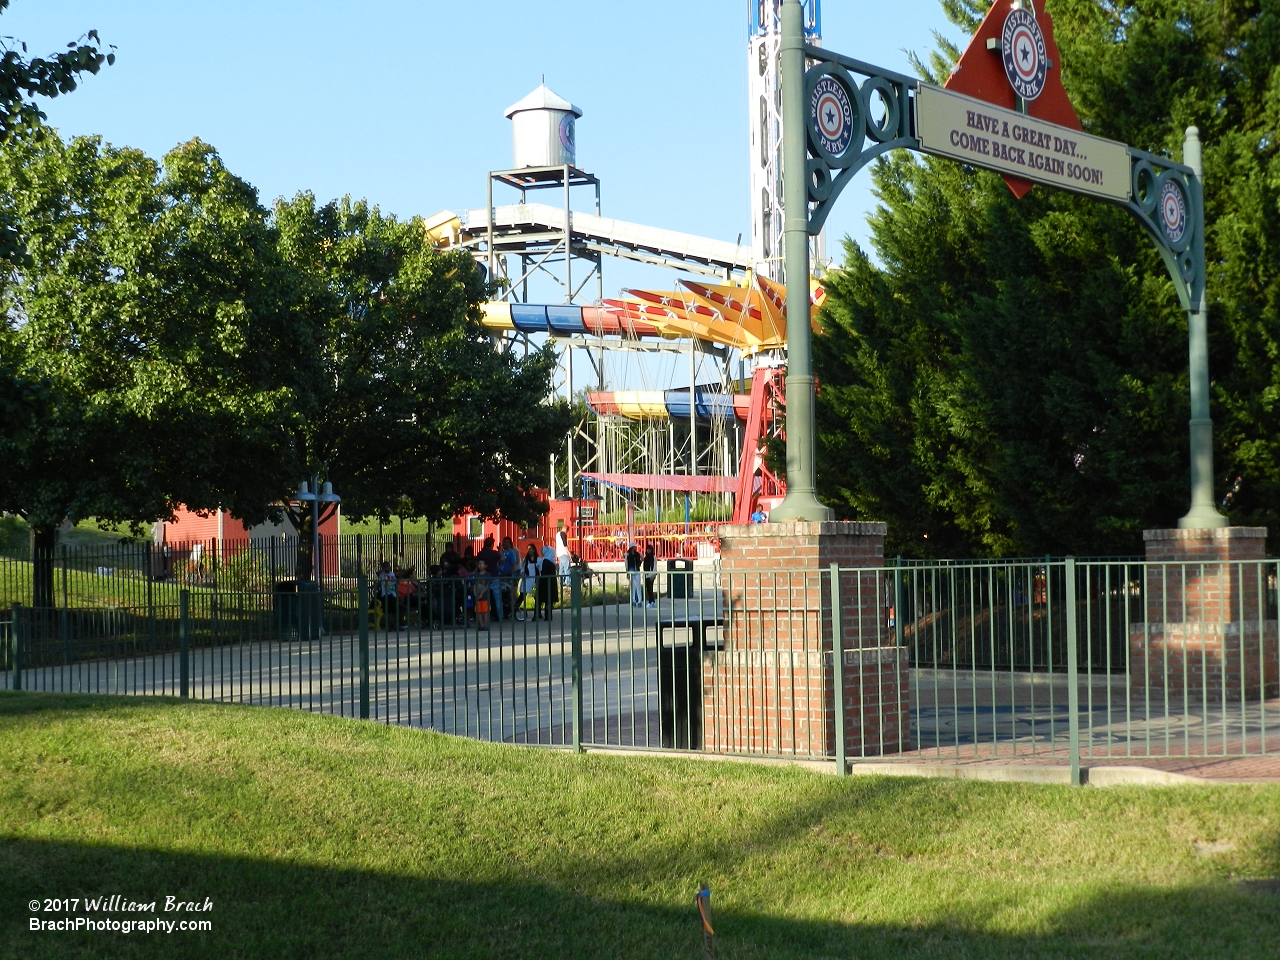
{"points": [[979, 133]]}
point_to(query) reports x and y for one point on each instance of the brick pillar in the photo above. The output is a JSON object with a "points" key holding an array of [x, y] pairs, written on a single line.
{"points": [[1210, 628], [771, 688]]}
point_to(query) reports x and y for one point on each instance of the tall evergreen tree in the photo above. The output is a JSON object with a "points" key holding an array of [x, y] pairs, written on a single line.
{"points": [[1010, 378]]}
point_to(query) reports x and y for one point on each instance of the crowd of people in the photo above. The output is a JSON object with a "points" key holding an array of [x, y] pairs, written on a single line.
{"points": [[493, 585]]}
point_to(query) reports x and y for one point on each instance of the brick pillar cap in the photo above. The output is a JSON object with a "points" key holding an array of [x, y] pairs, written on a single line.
{"points": [[1207, 533], [840, 528]]}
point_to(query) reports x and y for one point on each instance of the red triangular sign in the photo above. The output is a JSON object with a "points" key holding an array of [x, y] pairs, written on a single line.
{"points": [[981, 74]]}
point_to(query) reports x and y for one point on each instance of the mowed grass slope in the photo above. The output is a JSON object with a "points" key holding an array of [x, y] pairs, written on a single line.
{"points": [[321, 837]]}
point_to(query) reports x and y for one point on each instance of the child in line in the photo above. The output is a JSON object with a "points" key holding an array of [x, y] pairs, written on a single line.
{"points": [[480, 590]]}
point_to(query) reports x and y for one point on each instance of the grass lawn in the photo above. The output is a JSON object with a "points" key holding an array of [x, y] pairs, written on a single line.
{"points": [[319, 837]]}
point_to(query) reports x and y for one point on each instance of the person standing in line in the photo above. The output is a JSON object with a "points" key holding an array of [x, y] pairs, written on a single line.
{"points": [[528, 574], [508, 571], [492, 563], [563, 558], [489, 555], [633, 574], [463, 586], [650, 566], [546, 580], [481, 584], [510, 556], [387, 591]]}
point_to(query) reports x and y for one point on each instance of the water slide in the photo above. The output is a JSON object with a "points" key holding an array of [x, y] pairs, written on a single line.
{"points": [[517, 224], [670, 404], [749, 318]]}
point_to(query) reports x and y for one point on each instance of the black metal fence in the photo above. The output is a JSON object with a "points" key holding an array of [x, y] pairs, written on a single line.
{"points": [[1056, 660], [130, 574]]}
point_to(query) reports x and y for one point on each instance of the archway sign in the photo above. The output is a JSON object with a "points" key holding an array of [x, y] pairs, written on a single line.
{"points": [[846, 113]]}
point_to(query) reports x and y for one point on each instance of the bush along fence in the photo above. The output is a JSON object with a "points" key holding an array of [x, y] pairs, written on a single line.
{"points": [[1062, 660]]}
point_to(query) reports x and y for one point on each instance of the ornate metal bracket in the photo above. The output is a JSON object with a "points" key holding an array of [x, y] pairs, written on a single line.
{"points": [[857, 137], [1168, 199]]}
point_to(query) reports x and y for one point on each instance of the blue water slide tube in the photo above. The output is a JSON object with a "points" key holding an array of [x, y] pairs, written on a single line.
{"points": [[565, 321], [529, 317], [708, 404]]}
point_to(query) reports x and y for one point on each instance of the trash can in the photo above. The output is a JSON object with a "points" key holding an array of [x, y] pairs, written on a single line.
{"points": [[310, 610], [285, 597], [298, 609], [680, 686], [679, 578]]}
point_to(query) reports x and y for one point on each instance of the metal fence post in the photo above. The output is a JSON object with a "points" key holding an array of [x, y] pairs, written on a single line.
{"points": [[837, 670], [897, 600], [149, 560], [15, 630], [184, 641], [362, 606], [64, 615], [1073, 678], [575, 602]]}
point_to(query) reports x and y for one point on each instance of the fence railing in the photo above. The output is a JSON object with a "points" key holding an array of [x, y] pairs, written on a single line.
{"points": [[1058, 662], [608, 543], [133, 573]]}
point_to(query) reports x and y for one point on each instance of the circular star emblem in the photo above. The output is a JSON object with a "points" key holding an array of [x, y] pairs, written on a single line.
{"points": [[1173, 211], [566, 133], [1026, 62], [832, 115]]}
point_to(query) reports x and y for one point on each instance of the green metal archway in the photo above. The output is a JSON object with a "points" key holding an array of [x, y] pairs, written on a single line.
{"points": [[830, 132]]}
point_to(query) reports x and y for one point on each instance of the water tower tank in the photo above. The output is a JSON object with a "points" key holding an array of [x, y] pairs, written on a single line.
{"points": [[542, 125]]}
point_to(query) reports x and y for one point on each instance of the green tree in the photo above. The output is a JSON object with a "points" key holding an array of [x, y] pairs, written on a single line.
{"points": [[415, 410], [21, 79], [152, 333], [1011, 377]]}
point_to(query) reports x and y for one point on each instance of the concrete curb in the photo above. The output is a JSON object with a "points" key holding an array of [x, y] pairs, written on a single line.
{"points": [[991, 773], [960, 771], [1144, 777], [1018, 773]]}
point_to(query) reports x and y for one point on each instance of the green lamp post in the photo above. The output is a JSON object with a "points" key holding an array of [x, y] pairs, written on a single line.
{"points": [[801, 503]]}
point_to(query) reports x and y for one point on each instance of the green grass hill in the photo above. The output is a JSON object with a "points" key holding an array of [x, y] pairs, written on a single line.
{"points": [[321, 837]]}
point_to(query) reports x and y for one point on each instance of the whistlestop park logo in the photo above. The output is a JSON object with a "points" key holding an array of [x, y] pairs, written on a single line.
{"points": [[833, 115], [1026, 61]]}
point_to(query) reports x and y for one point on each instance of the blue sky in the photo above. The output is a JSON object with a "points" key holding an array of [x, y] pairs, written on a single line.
{"points": [[401, 102]]}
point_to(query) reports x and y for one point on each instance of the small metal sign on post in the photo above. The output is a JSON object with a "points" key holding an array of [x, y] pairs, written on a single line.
{"points": [[702, 899], [834, 125]]}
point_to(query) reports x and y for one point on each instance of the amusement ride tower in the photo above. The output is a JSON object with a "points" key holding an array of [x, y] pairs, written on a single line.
{"points": [[764, 91]]}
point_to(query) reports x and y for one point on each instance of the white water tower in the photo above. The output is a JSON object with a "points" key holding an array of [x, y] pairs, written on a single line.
{"points": [[542, 126]]}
